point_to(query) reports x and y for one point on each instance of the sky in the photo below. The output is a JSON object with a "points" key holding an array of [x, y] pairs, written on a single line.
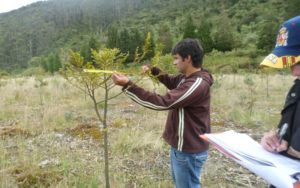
{"points": [[9, 5]]}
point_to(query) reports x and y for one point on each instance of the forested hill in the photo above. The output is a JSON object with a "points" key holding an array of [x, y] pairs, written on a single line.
{"points": [[41, 31]]}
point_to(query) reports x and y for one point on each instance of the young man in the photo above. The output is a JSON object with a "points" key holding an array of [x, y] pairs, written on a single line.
{"points": [[287, 54], [188, 102]]}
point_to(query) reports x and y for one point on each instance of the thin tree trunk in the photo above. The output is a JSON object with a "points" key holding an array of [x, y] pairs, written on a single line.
{"points": [[106, 161], [267, 84], [104, 122], [96, 108]]}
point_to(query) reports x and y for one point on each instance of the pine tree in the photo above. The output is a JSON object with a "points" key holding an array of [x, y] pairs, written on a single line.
{"points": [[189, 28], [151, 45], [124, 41], [204, 35], [44, 64], [112, 37], [267, 36], [165, 38], [51, 63], [136, 41], [223, 37], [292, 8], [86, 50], [57, 62], [93, 45]]}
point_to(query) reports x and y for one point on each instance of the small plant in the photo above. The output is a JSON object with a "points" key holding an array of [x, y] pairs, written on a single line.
{"points": [[266, 72], [248, 80], [40, 83], [218, 81], [68, 116]]}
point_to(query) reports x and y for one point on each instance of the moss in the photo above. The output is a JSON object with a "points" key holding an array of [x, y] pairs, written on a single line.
{"points": [[122, 122], [87, 131]]}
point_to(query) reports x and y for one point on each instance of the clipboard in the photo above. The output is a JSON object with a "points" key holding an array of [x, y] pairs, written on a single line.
{"points": [[278, 170]]}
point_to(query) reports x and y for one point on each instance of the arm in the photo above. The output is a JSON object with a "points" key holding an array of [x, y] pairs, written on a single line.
{"points": [[271, 143], [171, 82], [186, 94], [271, 140]]}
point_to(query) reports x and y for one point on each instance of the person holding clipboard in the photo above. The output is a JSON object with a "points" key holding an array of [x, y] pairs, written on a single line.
{"points": [[286, 54]]}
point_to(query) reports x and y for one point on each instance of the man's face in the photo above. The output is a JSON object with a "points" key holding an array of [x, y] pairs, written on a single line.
{"points": [[180, 63], [295, 69]]}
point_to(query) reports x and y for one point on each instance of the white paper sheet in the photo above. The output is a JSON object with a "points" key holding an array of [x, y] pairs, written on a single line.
{"points": [[274, 168]]}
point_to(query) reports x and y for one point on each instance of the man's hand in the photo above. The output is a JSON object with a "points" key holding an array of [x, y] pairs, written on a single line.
{"points": [[271, 142], [145, 69], [120, 79]]}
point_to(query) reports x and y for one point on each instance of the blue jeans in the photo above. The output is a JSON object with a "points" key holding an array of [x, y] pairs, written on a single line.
{"points": [[186, 168]]}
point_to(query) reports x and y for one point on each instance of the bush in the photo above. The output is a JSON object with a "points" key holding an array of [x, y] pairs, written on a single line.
{"points": [[34, 71], [166, 64], [233, 61], [4, 74]]}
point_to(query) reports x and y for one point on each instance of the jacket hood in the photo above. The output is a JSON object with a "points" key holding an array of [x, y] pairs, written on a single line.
{"points": [[205, 75]]}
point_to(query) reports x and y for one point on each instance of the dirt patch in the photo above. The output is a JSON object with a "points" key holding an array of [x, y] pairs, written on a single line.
{"points": [[13, 131], [35, 177], [86, 131]]}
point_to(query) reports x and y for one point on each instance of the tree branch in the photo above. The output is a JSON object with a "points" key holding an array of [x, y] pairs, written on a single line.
{"points": [[115, 96]]}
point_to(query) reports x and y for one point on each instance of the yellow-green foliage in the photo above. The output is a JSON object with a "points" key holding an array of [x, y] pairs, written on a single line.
{"points": [[139, 57], [107, 59]]}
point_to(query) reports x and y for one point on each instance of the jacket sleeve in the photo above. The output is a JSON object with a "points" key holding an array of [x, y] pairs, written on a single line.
{"points": [[286, 118], [187, 93], [171, 82], [294, 143]]}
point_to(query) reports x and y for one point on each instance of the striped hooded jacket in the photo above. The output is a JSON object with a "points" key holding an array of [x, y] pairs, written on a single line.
{"points": [[188, 102]]}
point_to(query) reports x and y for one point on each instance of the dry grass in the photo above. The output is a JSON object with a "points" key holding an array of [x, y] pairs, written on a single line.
{"points": [[13, 131], [49, 136]]}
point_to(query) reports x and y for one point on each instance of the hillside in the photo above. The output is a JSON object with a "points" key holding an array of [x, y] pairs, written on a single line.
{"points": [[54, 26]]}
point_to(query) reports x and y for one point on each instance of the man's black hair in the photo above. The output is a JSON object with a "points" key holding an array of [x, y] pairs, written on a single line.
{"points": [[190, 47]]}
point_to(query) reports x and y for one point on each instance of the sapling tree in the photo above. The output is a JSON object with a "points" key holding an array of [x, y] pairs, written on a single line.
{"points": [[107, 59], [248, 80], [89, 83], [265, 71]]}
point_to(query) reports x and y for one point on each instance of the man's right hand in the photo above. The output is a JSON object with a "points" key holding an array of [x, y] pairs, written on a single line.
{"points": [[271, 142], [145, 69]]}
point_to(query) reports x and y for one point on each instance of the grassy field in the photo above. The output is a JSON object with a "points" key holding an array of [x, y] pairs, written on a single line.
{"points": [[49, 136]]}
